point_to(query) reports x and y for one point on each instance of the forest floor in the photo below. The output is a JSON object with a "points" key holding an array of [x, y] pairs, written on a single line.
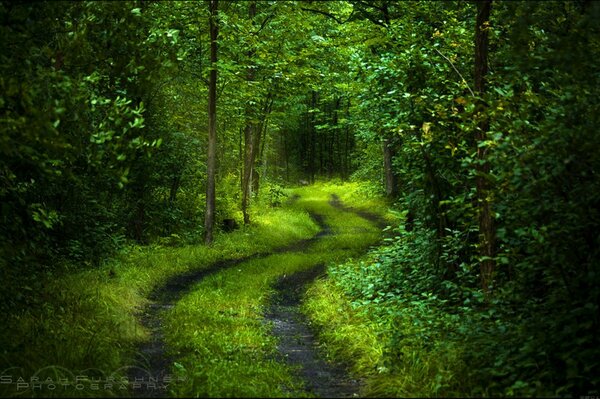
{"points": [[226, 320], [296, 342]]}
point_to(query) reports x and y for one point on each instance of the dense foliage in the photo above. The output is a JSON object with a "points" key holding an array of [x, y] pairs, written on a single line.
{"points": [[104, 133]]}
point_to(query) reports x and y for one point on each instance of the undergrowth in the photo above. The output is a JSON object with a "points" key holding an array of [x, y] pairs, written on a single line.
{"points": [[81, 338], [411, 330]]}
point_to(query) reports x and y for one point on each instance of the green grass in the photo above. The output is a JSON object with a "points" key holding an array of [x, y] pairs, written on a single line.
{"points": [[86, 323], [432, 368], [216, 332], [87, 320], [361, 334]]}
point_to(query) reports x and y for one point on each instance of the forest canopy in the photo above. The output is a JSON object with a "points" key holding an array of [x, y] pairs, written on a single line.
{"points": [[478, 120]]}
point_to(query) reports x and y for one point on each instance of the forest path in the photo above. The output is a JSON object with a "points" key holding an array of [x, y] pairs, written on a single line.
{"points": [[297, 345]]}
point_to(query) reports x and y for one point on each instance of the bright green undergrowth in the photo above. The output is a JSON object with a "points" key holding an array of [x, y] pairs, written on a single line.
{"points": [[427, 364], [216, 332], [86, 325]]}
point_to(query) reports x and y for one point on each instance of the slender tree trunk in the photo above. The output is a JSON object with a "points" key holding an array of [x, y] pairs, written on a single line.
{"points": [[347, 145], [247, 175], [486, 220], [249, 133], [209, 220], [313, 138], [264, 150], [285, 156], [260, 137], [174, 188], [390, 179]]}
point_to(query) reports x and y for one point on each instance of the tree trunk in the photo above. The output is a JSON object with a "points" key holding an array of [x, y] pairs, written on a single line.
{"points": [[174, 188], [486, 220], [249, 134], [247, 175], [390, 179], [209, 220], [260, 137], [313, 138]]}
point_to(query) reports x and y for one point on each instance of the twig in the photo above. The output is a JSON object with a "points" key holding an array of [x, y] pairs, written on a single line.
{"points": [[329, 15], [459, 74]]}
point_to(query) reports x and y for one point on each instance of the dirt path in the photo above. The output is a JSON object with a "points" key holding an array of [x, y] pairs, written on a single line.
{"points": [[297, 343], [150, 376], [297, 346]]}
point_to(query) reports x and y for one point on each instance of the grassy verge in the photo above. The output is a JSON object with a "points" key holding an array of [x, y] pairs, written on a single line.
{"points": [[85, 327], [82, 336], [362, 328], [360, 336], [216, 332]]}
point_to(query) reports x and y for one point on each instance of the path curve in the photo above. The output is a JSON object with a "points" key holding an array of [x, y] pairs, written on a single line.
{"points": [[150, 376], [298, 345], [297, 342]]}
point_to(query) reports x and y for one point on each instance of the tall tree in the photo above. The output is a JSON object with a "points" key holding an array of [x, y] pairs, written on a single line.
{"points": [[486, 220], [249, 132], [209, 220]]}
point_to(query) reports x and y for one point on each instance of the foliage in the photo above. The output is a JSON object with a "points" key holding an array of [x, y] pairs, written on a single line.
{"points": [[422, 290], [103, 137], [73, 130]]}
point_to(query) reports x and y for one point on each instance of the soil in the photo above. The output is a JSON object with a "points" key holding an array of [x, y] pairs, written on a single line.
{"points": [[297, 343]]}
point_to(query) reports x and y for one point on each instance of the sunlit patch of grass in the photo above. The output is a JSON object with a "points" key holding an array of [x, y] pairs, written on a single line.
{"points": [[215, 332], [352, 337], [432, 372], [358, 196], [349, 336]]}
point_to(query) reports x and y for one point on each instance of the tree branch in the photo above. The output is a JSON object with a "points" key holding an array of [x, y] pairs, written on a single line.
{"points": [[329, 15], [362, 6], [264, 23], [453, 67]]}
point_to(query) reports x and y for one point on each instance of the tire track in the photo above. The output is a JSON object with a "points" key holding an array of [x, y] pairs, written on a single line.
{"points": [[298, 345], [150, 376]]}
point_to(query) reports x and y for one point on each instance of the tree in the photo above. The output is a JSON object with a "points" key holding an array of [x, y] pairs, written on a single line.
{"points": [[486, 219], [212, 124]]}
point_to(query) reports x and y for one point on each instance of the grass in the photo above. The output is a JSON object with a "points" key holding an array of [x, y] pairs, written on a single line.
{"points": [[352, 336], [86, 324], [85, 331], [348, 335], [361, 334], [216, 332]]}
